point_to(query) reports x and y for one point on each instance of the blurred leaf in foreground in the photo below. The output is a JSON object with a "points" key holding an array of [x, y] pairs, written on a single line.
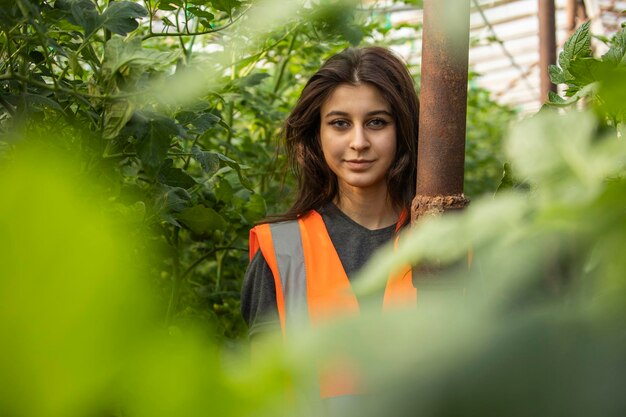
{"points": [[69, 304], [80, 333]]}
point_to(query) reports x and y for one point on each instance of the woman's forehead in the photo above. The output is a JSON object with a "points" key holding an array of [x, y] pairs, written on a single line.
{"points": [[359, 98]]}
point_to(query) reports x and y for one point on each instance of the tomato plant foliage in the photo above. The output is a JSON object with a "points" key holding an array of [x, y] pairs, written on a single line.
{"points": [[596, 78]]}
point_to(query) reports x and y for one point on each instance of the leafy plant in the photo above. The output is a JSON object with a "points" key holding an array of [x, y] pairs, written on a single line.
{"points": [[596, 79]]}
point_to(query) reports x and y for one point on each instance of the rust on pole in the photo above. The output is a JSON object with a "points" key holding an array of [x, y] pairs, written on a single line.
{"points": [[570, 15], [547, 45], [443, 107]]}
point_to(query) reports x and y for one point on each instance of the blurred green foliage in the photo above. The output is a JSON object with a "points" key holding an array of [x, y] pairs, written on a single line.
{"points": [[81, 331]]}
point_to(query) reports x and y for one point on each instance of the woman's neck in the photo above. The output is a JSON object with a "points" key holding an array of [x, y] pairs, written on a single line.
{"points": [[371, 209]]}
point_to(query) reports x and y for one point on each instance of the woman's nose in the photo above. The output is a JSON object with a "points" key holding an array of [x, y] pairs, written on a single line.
{"points": [[359, 140]]}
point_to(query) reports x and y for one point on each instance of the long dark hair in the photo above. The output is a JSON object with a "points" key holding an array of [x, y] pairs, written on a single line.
{"points": [[372, 65]]}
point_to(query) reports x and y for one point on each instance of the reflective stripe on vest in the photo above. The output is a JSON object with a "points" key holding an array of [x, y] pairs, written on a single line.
{"points": [[311, 282]]}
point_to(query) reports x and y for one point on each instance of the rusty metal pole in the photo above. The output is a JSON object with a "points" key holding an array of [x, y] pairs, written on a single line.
{"points": [[443, 104], [570, 13], [547, 45], [581, 12]]}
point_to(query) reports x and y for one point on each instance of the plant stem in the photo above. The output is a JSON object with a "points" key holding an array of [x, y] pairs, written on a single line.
{"points": [[180, 36], [283, 65], [219, 258], [230, 105], [189, 155], [148, 7], [185, 5], [204, 32], [192, 42]]}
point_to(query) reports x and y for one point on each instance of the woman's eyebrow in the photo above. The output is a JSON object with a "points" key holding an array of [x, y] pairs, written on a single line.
{"points": [[337, 113], [375, 112], [369, 113]]}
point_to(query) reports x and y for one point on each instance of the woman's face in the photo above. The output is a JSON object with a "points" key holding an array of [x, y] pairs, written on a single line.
{"points": [[358, 136]]}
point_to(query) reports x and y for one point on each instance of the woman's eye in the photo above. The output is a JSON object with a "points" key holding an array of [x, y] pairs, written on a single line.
{"points": [[377, 123], [341, 124]]}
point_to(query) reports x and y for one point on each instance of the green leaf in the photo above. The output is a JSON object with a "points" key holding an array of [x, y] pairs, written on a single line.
{"points": [[506, 182], [556, 75], [205, 121], [117, 114], [225, 5], [234, 165], [209, 161], [224, 191], [576, 94], [172, 200], [554, 98], [584, 71], [42, 102], [255, 208], [201, 122], [576, 47], [119, 53], [174, 177], [121, 16], [154, 142], [82, 13], [612, 92], [198, 12], [202, 220], [253, 79], [616, 54], [169, 5], [176, 199]]}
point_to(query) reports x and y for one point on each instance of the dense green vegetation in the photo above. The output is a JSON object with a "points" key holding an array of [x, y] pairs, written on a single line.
{"points": [[126, 202], [178, 105]]}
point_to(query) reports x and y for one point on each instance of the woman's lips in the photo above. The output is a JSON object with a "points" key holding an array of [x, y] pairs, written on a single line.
{"points": [[359, 164]]}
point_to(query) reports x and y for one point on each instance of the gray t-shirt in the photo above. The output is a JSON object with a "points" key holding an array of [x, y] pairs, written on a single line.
{"points": [[354, 245]]}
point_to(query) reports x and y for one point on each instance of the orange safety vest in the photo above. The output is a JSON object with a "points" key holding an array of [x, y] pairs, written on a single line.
{"points": [[310, 278]]}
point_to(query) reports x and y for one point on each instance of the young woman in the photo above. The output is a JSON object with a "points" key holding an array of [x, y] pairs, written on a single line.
{"points": [[352, 142]]}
